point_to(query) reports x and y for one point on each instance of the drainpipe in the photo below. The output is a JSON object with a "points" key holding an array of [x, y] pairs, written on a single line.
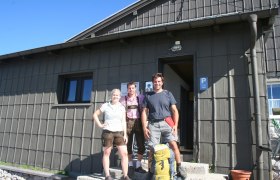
{"points": [[253, 26]]}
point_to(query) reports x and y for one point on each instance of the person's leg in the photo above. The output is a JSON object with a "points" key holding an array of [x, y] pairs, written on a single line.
{"points": [[139, 159], [130, 132], [124, 160], [106, 160], [107, 143], [155, 136], [122, 150], [130, 160], [171, 139], [173, 145], [150, 159], [140, 140], [168, 136]]}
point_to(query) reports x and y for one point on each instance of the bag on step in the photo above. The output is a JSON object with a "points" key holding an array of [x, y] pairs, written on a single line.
{"points": [[163, 165]]}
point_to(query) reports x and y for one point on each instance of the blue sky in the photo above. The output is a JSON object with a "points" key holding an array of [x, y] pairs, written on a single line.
{"points": [[28, 24]]}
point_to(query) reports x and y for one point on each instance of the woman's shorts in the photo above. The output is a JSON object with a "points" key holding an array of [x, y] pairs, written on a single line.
{"points": [[110, 138]]}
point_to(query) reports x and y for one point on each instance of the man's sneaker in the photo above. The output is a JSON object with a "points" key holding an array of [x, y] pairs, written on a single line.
{"points": [[130, 171], [181, 173], [140, 170], [108, 178]]}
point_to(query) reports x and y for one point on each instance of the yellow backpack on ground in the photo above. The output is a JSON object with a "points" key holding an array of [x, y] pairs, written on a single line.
{"points": [[161, 162]]}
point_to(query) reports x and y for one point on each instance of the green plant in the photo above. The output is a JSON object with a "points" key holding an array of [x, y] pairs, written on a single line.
{"points": [[34, 168], [275, 123], [211, 168]]}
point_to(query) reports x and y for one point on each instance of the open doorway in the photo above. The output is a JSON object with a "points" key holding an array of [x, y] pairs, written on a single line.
{"points": [[178, 72]]}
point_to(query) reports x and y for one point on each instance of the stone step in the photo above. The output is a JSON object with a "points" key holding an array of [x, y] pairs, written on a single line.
{"points": [[94, 176], [195, 171], [195, 168], [210, 176], [116, 173], [139, 176]]}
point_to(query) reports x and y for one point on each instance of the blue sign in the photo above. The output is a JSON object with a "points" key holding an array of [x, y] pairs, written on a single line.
{"points": [[203, 83]]}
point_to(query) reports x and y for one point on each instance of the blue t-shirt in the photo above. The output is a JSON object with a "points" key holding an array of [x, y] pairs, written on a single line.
{"points": [[159, 104]]}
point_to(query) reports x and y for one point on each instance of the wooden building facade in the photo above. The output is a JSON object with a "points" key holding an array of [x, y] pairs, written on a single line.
{"points": [[217, 57]]}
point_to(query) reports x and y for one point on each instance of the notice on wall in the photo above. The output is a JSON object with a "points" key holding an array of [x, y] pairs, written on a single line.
{"points": [[148, 86]]}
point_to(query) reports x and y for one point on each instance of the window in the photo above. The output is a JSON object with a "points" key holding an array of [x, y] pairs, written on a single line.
{"points": [[273, 96], [75, 88]]}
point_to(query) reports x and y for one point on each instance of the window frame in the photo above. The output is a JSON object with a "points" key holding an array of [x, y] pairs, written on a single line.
{"points": [[271, 116], [64, 87]]}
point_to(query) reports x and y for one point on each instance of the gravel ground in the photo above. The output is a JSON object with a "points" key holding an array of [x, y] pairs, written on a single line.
{"points": [[4, 175]]}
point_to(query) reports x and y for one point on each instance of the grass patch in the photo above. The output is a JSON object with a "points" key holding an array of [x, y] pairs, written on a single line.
{"points": [[34, 168]]}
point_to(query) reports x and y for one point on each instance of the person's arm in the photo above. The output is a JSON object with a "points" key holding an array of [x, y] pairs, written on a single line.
{"points": [[140, 105], [144, 120], [175, 117], [96, 118]]}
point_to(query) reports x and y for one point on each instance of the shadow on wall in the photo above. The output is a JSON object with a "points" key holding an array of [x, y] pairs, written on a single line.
{"points": [[91, 164], [244, 129]]}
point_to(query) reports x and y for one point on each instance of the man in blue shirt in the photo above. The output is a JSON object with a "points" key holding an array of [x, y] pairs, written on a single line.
{"points": [[157, 106]]}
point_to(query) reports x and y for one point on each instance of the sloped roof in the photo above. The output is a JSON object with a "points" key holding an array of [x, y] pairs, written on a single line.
{"points": [[115, 17], [153, 13], [183, 23]]}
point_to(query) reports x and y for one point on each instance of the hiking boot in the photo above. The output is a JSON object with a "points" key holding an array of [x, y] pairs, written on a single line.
{"points": [[181, 173], [130, 171], [140, 170], [108, 178]]}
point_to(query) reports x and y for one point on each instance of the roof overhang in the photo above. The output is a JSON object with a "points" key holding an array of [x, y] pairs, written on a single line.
{"points": [[194, 23]]}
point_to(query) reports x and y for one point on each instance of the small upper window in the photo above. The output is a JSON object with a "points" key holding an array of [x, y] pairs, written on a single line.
{"points": [[75, 88], [273, 96]]}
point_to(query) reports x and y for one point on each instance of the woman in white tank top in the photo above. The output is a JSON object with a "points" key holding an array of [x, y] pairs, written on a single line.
{"points": [[114, 132]]}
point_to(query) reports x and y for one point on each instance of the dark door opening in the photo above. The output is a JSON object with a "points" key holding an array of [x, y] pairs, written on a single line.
{"points": [[186, 117], [178, 72]]}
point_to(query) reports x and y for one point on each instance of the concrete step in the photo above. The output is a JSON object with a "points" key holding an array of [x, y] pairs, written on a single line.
{"points": [[195, 171], [190, 168], [138, 176], [195, 168], [116, 173], [94, 176], [210, 176]]}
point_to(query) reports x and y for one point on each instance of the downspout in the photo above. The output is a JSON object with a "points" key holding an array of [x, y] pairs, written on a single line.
{"points": [[253, 26]]}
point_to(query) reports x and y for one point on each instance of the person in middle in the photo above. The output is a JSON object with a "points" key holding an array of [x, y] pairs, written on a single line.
{"points": [[133, 102]]}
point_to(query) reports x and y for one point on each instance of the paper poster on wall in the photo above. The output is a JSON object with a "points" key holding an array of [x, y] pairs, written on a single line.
{"points": [[124, 88], [148, 86]]}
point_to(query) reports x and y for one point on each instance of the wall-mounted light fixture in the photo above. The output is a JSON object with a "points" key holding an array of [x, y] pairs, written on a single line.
{"points": [[176, 47]]}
